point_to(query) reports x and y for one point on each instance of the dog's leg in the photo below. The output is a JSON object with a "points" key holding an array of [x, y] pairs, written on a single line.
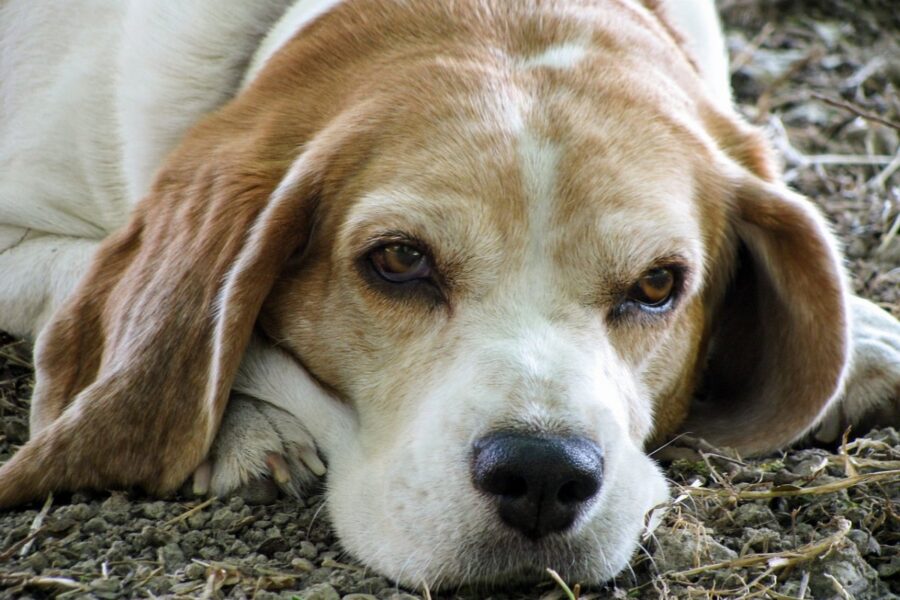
{"points": [[37, 272], [278, 419], [871, 393]]}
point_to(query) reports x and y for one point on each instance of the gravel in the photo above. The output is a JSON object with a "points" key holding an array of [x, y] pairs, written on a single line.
{"points": [[808, 523]]}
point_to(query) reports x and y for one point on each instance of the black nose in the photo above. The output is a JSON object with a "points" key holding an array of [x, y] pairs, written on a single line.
{"points": [[541, 484]]}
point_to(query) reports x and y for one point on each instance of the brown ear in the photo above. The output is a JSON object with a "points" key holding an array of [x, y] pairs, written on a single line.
{"points": [[133, 373], [779, 341]]}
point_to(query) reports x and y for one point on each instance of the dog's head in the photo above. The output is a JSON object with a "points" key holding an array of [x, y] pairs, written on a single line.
{"points": [[521, 246]]}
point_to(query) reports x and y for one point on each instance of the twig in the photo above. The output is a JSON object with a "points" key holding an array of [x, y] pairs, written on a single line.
{"points": [[856, 110], [892, 232], [880, 180], [189, 513], [826, 488], [840, 589], [750, 49], [845, 159], [570, 594], [44, 582], [9, 552], [37, 525]]}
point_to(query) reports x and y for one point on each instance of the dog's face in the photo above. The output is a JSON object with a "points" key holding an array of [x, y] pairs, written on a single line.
{"points": [[514, 244], [530, 266]]}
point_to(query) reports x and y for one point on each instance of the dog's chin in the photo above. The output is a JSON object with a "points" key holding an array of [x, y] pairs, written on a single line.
{"points": [[500, 557], [504, 559], [511, 559]]}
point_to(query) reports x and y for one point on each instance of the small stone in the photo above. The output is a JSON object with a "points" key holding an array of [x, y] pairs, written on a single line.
{"points": [[172, 555], [682, 549], [37, 562], [322, 591], [239, 548], [198, 520], [846, 566], [195, 571], [192, 541], [80, 498], [159, 585], [223, 518], [307, 550], [359, 597], [59, 524], [890, 569], [155, 510], [753, 515], [373, 585], [154, 536], [81, 512], [116, 509], [118, 550], [865, 543], [106, 585], [273, 545], [95, 525], [303, 565]]}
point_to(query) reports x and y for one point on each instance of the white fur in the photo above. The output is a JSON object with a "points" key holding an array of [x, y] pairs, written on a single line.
{"points": [[562, 56], [699, 22], [94, 94]]}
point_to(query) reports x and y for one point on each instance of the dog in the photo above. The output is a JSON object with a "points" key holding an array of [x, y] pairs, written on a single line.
{"points": [[480, 256]]}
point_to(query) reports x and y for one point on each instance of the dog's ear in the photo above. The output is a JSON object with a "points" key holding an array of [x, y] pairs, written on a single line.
{"points": [[779, 340], [134, 371]]}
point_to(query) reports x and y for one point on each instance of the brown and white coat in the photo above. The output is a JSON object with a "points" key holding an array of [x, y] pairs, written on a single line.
{"points": [[195, 197]]}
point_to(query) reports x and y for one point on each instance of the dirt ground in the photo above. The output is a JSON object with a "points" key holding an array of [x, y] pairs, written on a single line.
{"points": [[822, 78]]}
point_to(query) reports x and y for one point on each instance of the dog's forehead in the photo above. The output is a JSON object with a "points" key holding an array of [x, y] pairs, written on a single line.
{"points": [[522, 167]]}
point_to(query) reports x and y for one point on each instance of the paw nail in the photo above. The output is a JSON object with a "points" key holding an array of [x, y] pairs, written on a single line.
{"points": [[279, 467], [202, 477], [311, 460]]}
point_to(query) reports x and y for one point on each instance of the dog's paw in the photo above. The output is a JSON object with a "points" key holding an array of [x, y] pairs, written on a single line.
{"points": [[259, 449], [871, 393]]}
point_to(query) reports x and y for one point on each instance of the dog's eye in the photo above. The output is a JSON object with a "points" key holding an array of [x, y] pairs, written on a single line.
{"points": [[654, 288], [398, 263]]}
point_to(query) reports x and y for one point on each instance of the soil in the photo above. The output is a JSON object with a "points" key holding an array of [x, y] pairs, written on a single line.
{"points": [[817, 523]]}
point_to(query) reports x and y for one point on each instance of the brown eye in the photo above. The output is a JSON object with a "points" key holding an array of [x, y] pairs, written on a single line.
{"points": [[654, 288], [398, 263]]}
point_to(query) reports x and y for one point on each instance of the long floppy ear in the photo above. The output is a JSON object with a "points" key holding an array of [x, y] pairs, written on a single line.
{"points": [[780, 339], [133, 373]]}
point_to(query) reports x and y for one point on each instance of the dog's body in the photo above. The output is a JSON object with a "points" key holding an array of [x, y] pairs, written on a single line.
{"points": [[487, 229]]}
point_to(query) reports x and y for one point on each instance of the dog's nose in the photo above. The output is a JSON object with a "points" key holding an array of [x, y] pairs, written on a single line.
{"points": [[541, 484]]}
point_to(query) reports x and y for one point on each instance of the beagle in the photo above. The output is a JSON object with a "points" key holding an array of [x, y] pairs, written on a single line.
{"points": [[481, 255]]}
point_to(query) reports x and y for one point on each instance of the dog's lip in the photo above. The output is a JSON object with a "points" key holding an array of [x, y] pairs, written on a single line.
{"points": [[516, 557]]}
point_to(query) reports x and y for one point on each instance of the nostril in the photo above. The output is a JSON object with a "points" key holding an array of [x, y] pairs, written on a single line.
{"points": [[507, 485], [575, 492]]}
